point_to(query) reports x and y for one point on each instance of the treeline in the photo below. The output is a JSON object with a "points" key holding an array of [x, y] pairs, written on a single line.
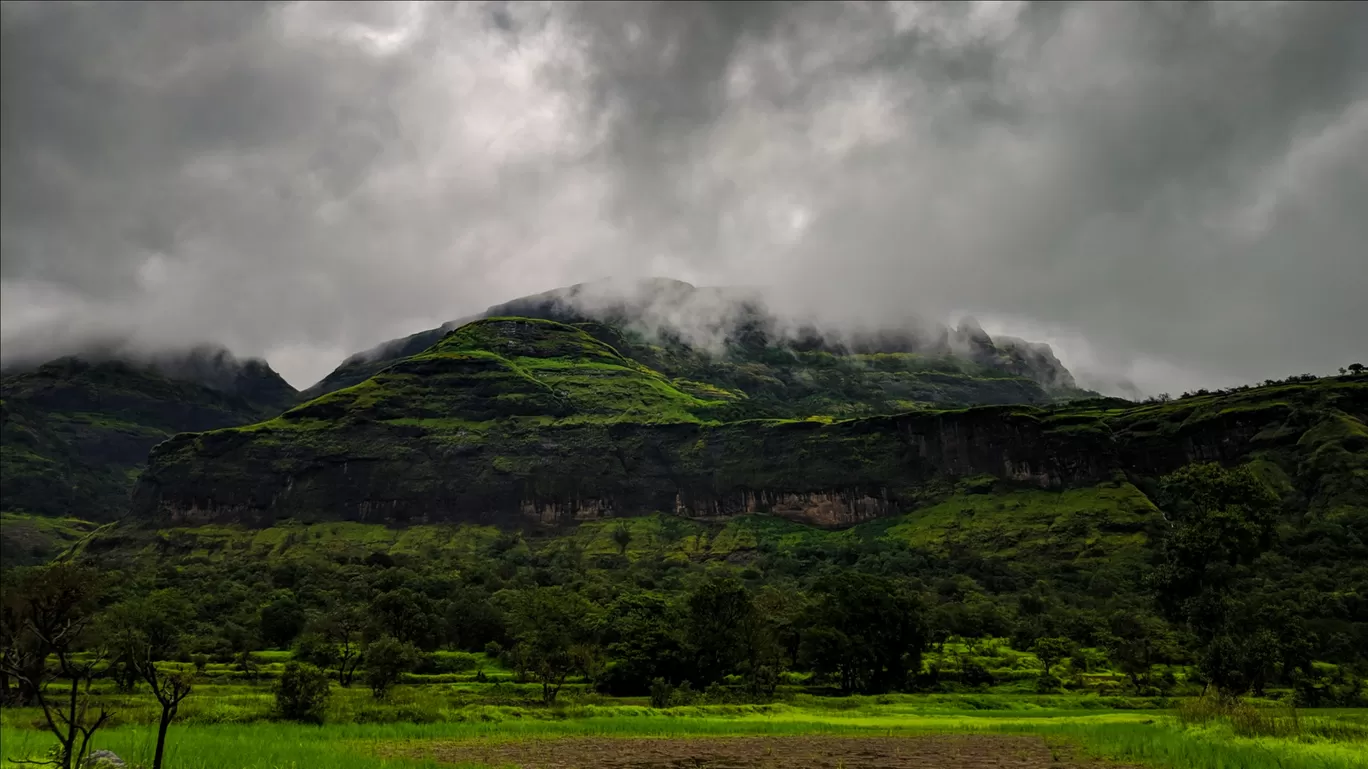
{"points": [[1353, 369], [1232, 590]]}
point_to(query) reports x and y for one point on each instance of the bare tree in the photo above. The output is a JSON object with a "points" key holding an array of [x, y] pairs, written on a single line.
{"points": [[67, 710], [169, 687], [38, 604], [47, 614], [343, 630]]}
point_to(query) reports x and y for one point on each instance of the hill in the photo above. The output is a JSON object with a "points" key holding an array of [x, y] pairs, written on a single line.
{"points": [[74, 432], [524, 421], [710, 333]]}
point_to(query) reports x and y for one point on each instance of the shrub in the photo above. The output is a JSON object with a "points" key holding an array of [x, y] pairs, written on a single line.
{"points": [[315, 650], [974, 674], [660, 693], [302, 693], [683, 695], [1048, 683], [440, 663]]}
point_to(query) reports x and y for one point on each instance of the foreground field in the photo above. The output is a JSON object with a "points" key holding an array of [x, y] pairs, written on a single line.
{"points": [[819, 735], [817, 752]]}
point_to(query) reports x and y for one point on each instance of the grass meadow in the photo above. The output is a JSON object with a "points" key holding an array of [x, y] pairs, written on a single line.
{"points": [[230, 727]]}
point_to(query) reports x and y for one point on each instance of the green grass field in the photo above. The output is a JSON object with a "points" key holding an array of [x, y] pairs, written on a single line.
{"points": [[1327, 739]]}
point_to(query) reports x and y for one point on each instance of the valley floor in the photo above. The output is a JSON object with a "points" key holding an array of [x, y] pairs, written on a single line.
{"points": [[934, 732]]}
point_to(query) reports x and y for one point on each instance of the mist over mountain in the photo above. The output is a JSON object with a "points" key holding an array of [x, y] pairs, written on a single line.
{"points": [[723, 322], [1165, 194], [208, 365]]}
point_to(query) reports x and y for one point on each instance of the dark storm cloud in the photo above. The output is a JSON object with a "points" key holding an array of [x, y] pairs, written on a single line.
{"points": [[1171, 193]]}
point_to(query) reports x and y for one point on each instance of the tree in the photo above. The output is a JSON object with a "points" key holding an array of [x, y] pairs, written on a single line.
{"points": [[36, 605], [1356, 368], [281, 620], [472, 621], [641, 636], [407, 615], [719, 614], [554, 634], [170, 687], [302, 692], [142, 632], [1137, 642], [141, 628], [48, 614], [342, 628], [1235, 664], [868, 631], [1050, 651], [764, 657], [386, 659], [784, 608], [1218, 519]]}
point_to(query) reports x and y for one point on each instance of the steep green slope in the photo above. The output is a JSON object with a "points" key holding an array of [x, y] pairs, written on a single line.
{"points": [[74, 433], [715, 339], [782, 382], [518, 420], [508, 368]]}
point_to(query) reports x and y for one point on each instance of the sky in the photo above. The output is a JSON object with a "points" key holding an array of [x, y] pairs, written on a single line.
{"points": [[1172, 195]]}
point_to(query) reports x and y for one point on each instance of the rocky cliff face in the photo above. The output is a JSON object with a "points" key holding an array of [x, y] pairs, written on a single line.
{"points": [[825, 474], [520, 421]]}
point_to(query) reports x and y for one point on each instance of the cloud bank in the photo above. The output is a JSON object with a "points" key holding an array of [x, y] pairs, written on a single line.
{"points": [[1170, 194]]}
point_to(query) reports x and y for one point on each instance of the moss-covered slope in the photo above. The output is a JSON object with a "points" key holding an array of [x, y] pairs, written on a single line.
{"points": [[513, 420], [730, 347], [74, 433]]}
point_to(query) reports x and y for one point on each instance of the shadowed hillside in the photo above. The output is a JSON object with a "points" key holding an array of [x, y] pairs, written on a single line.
{"points": [[76, 431], [514, 420]]}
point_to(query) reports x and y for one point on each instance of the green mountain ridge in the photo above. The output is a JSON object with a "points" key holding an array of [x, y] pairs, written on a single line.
{"points": [[521, 421], [74, 432], [682, 328]]}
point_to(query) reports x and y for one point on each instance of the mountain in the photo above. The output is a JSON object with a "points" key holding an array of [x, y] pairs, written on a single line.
{"points": [[75, 431], [529, 421], [683, 327]]}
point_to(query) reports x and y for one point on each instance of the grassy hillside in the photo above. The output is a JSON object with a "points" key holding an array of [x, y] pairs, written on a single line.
{"points": [[28, 540], [775, 375]]}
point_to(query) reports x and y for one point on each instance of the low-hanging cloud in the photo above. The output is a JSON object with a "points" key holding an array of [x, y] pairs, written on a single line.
{"points": [[1171, 194]]}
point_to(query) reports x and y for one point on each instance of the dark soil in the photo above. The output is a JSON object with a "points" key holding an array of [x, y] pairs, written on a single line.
{"points": [[749, 752]]}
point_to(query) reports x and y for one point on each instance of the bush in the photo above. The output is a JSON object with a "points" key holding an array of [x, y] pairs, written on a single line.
{"points": [[974, 674], [683, 695], [1048, 683], [315, 650], [302, 693], [439, 663], [660, 693]]}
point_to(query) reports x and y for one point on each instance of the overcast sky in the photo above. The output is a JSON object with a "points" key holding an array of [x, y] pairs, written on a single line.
{"points": [[1175, 194]]}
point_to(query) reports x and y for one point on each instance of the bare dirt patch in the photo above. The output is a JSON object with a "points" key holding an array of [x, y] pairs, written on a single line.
{"points": [[751, 752]]}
